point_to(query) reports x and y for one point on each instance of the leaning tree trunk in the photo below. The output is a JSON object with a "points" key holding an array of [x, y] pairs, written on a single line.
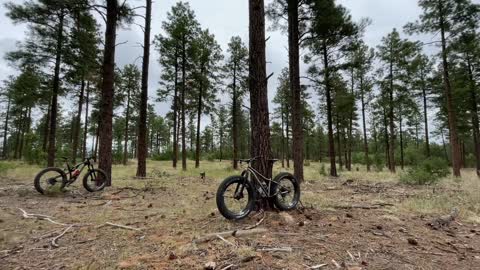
{"points": [[142, 125], [78, 123], [331, 140], [56, 87], [452, 117], [258, 89], [106, 101], [5, 130], [294, 69]]}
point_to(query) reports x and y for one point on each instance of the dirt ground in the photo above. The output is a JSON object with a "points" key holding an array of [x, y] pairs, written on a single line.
{"points": [[347, 223]]}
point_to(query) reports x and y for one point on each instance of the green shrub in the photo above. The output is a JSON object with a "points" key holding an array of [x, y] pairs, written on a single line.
{"points": [[4, 167], [306, 163], [323, 170], [427, 172]]}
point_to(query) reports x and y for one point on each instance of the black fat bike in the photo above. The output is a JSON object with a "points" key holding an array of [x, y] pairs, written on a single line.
{"points": [[54, 179], [237, 195]]}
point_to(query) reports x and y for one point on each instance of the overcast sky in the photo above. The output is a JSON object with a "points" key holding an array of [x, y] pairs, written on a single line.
{"points": [[226, 18]]}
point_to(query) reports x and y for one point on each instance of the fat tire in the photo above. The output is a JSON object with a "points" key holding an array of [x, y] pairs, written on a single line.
{"points": [[36, 181], [221, 203], [86, 178], [296, 196]]}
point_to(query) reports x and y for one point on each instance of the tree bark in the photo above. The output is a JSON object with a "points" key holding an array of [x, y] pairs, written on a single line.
{"points": [[452, 117], [425, 115], [126, 132], [142, 125], [175, 114], [78, 123], [184, 86], [364, 121], [106, 102], [199, 118], [391, 118], [235, 110], [5, 130], [474, 109], [258, 89], [85, 130], [294, 69], [56, 87], [331, 140], [402, 160]]}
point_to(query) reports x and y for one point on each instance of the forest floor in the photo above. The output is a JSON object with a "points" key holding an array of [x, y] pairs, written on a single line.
{"points": [[358, 221]]}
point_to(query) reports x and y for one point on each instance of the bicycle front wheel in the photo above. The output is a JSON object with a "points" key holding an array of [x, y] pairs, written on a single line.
{"points": [[287, 192], [95, 180], [235, 198]]}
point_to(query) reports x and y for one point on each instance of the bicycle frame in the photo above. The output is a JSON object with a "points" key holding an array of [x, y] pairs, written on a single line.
{"points": [[249, 172], [80, 166]]}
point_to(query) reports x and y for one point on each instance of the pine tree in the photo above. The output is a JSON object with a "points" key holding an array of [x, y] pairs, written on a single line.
{"points": [[236, 69]]}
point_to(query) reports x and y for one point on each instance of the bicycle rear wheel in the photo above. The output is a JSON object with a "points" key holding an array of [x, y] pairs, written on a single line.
{"points": [[95, 180], [50, 180], [235, 198]]}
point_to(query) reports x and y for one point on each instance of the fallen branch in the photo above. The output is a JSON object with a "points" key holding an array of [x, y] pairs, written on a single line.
{"points": [[256, 224], [54, 240], [239, 233], [318, 266], [41, 217], [225, 240], [366, 207], [123, 227], [284, 249]]}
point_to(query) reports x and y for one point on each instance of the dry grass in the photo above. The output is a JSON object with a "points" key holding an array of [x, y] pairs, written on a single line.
{"points": [[174, 207]]}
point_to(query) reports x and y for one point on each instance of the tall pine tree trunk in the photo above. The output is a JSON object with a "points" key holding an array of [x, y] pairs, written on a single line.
{"points": [[391, 118], [78, 123], [125, 136], [402, 160], [56, 87], [235, 110], [283, 138], [106, 101], [142, 125], [175, 114], [5, 130], [294, 69], [258, 89], [46, 129], [184, 86], [85, 130], [452, 117], [199, 118], [331, 140], [364, 121], [287, 132], [425, 116], [474, 109]]}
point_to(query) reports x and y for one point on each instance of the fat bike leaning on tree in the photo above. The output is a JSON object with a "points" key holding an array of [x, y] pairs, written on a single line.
{"points": [[237, 195]]}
